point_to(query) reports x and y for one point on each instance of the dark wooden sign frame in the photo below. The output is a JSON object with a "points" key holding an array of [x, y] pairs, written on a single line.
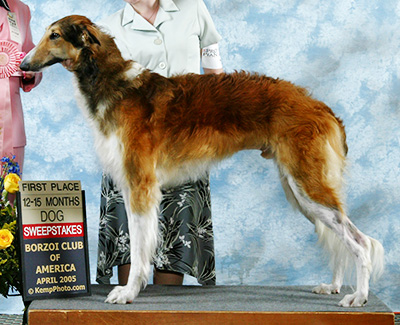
{"points": [[53, 239]]}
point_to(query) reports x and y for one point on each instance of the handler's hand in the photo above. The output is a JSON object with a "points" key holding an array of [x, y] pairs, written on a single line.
{"points": [[29, 75]]}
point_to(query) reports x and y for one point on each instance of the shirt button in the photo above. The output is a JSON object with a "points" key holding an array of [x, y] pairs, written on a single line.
{"points": [[158, 41], [162, 65]]}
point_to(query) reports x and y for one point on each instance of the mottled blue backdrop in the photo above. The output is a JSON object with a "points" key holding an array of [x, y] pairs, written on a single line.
{"points": [[345, 52]]}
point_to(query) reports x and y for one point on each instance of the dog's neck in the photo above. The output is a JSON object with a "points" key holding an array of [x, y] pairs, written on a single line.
{"points": [[104, 76]]}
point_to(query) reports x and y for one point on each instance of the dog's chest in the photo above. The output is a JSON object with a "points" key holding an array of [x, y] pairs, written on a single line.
{"points": [[110, 150]]}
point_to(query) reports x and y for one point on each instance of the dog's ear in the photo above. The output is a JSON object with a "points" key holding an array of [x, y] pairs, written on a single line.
{"points": [[81, 35], [88, 35]]}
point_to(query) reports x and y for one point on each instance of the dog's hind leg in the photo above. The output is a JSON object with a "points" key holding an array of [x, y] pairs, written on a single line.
{"points": [[312, 180], [355, 241], [143, 232], [328, 239]]}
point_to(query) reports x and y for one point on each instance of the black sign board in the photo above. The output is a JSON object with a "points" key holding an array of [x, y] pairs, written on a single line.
{"points": [[53, 239]]}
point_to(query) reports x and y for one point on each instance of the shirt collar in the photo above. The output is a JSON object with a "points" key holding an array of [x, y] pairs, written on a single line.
{"points": [[139, 23]]}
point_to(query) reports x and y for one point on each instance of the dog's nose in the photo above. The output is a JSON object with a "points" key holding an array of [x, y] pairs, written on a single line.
{"points": [[24, 66]]}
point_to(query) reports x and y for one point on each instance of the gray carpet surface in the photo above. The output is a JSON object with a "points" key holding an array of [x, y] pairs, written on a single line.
{"points": [[10, 319], [216, 298]]}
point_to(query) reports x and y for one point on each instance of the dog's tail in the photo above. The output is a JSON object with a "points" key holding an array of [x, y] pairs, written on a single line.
{"points": [[336, 151], [377, 259], [340, 256]]}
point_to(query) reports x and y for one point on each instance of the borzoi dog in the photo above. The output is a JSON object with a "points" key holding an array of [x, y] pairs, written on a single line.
{"points": [[152, 132]]}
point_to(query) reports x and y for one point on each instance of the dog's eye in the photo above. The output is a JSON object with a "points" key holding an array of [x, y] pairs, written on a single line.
{"points": [[54, 36]]}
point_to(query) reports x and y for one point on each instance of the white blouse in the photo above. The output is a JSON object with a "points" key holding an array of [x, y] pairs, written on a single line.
{"points": [[173, 44]]}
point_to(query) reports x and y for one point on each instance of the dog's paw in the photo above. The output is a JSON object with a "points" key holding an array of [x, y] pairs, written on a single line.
{"points": [[326, 289], [122, 295], [354, 300]]}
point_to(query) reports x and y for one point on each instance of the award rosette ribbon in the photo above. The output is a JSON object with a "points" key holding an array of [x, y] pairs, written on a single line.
{"points": [[10, 59]]}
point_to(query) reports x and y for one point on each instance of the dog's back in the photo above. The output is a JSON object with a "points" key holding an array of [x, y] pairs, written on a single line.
{"points": [[250, 111]]}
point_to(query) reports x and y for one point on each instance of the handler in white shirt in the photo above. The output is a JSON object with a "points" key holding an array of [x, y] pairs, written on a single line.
{"points": [[172, 44], [167, 37]]}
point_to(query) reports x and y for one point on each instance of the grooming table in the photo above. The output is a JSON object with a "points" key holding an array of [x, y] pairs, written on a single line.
{"points": [[210, 305]]}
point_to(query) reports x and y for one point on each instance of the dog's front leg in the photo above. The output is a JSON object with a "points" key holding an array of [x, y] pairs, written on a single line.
{"points": [[143, 232]]}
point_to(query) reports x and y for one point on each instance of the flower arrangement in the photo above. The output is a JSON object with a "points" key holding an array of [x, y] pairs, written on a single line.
{"points": [[10, 277]]}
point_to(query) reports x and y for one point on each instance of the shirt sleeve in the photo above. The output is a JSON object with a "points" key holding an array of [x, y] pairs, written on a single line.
{"points": [[210, 58], [208, 32]]}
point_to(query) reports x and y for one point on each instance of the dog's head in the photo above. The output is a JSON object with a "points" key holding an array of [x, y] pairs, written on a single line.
{"points": [[65, 41]]}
